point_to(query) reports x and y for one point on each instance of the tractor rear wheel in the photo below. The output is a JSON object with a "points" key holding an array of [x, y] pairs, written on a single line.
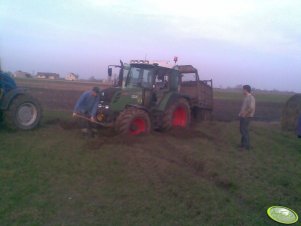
{"points": [[200, 115], [177, 115], [133, 121], [24, 113]]}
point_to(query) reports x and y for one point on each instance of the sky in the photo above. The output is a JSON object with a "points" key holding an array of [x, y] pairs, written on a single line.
{"points": [[256, 42]]}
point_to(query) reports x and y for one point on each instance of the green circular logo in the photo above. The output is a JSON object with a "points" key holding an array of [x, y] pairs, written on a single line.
{"points": [[282, 214]]}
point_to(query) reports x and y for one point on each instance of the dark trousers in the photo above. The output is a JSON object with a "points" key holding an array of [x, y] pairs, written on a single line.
{"points": [[244, 131]]}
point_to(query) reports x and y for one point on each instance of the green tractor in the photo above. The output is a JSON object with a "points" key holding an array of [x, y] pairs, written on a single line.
{"points": [[18, 110], [153, 97]]}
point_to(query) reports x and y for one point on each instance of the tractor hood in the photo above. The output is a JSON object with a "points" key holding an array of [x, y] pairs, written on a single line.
{"points": [[106, 95], [118, 98]]}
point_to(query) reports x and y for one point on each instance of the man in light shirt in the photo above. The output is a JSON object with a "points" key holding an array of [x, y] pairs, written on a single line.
{"points": [[245, 115]]}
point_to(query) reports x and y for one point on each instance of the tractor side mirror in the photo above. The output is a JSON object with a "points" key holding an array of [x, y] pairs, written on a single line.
{"points": [[110, 71]]}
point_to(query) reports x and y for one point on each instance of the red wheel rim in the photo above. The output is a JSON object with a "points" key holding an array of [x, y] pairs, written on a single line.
{"points": [[138, 126], [179, 117]]}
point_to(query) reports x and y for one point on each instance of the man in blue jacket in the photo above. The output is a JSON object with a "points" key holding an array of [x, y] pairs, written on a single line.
{"points": [[87, 106]]}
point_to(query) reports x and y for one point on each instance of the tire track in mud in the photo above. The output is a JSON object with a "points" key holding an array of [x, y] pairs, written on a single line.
{"points": [[153, 156], [146, 156]]}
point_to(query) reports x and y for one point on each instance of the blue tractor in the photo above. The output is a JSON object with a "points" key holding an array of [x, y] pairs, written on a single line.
{"points": [[18, 110]]}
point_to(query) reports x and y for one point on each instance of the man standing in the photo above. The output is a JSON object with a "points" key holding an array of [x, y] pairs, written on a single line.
{"points": [[86, 106], [245, 115]]}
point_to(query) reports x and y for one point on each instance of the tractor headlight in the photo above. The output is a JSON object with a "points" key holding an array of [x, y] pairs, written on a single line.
{"points": [[100, 117], [103, 106]]}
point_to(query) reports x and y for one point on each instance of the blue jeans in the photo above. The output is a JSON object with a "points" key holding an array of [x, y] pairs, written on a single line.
{"points": [[244, 131]]}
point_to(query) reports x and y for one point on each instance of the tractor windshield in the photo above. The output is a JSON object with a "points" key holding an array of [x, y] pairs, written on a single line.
{"points": [[140, 77]]}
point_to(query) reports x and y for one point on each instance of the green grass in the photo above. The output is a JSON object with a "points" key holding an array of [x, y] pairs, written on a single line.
{"points": [[260, 97], [52, 176]]}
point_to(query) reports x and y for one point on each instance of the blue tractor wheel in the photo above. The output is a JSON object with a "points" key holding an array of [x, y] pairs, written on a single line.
{"points": [[24, 112]]}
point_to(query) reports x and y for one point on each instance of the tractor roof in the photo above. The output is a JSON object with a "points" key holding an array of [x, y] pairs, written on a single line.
{"points": [[139, 65], [180, 68], [187, 69]]}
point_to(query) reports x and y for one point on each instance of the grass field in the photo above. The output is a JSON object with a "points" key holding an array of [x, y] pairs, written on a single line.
{"points": [[54, 176]]}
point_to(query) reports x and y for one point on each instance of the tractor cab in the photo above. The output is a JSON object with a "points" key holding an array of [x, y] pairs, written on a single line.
{"points": [[151, 82], [148, 76]]}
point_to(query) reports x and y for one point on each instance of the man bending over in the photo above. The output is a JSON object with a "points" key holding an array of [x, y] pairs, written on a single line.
{"points": [[86, 106]]}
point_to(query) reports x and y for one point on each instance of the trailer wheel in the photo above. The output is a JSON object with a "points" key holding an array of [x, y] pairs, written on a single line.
{"points": [[133, 121], [177, 115], [23, 113], [200, 115]]}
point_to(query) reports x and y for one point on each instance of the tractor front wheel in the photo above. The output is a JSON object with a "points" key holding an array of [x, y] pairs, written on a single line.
{"points": [[177, 115], [133, 121], [24, 113]]}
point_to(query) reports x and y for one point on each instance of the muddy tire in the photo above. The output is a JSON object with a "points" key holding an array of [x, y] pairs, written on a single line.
{"points": [[133, 121], [207, 115], [200, 115], [24, 113], [177, 115]]}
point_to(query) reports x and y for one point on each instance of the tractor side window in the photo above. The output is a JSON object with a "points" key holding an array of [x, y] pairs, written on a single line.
{"points": [[125, 73], [188, 77], [134, 77], [147, 79], [139, 77], [174, 80], [161, 81]]}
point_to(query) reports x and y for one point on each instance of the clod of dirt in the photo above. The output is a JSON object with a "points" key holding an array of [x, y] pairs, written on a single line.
{"points": [[69, 125], [225, 184], [95, 144], [198, 166], [54, 121], [187, 133], [103, 138]]}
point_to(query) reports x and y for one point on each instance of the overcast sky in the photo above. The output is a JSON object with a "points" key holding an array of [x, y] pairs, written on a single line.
{"points": [[233, 42]]}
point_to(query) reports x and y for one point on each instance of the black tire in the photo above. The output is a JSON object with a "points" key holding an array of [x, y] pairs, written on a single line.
{"points": [[207, 115], [133, 121], [169, 119], [200, 115], [24, 113]]}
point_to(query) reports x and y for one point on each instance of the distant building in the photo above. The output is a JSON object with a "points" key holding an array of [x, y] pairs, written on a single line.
{"points": [[21, 74], [47, 75], [71, 77]]}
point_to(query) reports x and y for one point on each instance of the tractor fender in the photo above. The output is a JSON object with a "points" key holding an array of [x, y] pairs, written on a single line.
{"points": [[10, 96], [138, 107], [169, 99]]}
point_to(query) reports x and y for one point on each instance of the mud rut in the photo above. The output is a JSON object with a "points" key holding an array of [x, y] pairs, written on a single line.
{"points": [[147, 159]]}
